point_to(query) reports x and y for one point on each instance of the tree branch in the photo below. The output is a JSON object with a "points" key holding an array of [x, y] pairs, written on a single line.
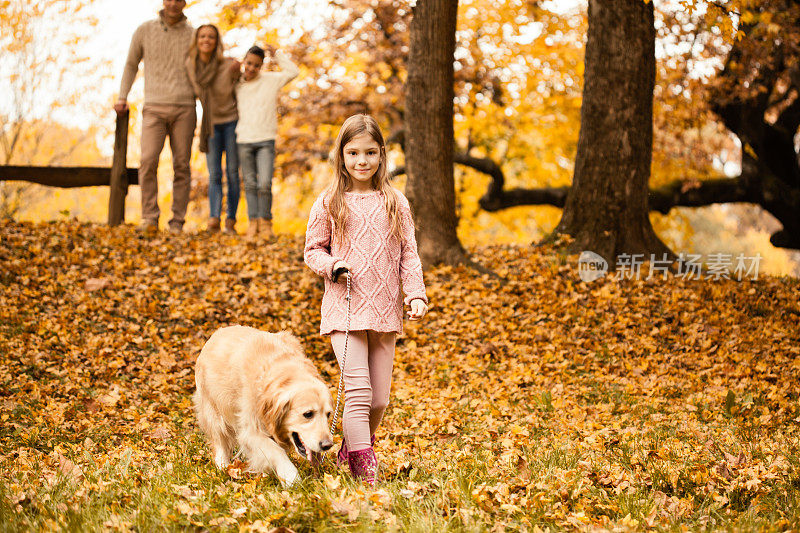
{"points": [[662, 199], [706, 192], [750, 187], [555, 196], [496, 198]]}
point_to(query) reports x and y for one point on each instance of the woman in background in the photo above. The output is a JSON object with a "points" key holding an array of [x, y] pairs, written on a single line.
{"points": [[214, 78]]}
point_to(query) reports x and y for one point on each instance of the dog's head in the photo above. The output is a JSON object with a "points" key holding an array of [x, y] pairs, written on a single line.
{"points": [[296, 410], [299, 416], [308, 418]]}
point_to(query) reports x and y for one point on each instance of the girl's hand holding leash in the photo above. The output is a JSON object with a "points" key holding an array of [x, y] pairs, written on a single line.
{"points": [[418, 309], [340, 267]]}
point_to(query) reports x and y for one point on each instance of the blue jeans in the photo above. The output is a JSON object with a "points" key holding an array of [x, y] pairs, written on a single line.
{"points": [[257, 167], [223, 139]]}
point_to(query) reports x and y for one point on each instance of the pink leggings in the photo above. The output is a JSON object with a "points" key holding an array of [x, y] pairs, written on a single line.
{"points": [[367, 380]]}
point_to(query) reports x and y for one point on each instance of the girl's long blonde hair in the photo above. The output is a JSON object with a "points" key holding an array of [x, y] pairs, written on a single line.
{"points": [[342, 182]]}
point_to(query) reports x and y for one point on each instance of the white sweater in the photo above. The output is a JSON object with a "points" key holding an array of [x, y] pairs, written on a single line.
{"points": [[257, 102]]}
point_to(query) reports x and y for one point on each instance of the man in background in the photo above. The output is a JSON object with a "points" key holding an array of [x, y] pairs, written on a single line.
{"points": [[169, 108]]}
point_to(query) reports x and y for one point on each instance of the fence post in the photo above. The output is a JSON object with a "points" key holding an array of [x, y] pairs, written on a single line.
{"points": [[118, 185]]}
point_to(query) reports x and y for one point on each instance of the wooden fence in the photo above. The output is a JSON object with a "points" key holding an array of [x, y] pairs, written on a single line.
{"points": [[118, 177]]}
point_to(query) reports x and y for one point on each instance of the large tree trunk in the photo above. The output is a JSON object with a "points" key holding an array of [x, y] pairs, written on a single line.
{"points": [[429, 131], [606, 210]]}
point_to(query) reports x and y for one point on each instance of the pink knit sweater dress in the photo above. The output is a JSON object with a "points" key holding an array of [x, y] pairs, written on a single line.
{"points": [[379, 263]]}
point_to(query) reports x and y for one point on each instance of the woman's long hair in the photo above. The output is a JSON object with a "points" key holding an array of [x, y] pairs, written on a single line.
{"points": [[343, 182], [218, 51]]}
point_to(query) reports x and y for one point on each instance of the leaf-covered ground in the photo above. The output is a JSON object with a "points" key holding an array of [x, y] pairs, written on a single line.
{"points": [[523, 402]]}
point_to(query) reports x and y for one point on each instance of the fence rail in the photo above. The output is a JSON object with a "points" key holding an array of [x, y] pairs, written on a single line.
{"points": [[118, 177], [64, 177]]}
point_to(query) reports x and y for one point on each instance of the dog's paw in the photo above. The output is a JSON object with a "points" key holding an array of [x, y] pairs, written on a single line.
{"points": [[222, 460], [287, 473]]}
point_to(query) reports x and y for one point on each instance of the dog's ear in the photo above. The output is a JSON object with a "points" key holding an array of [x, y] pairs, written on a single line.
{"points": [[274, 409]]}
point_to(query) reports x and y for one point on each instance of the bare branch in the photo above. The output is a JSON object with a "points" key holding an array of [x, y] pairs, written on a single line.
{"points": [[706, 192]]}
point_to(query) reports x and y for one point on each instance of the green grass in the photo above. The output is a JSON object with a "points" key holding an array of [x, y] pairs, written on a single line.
{"points": [[148, 486], [524, 404]]}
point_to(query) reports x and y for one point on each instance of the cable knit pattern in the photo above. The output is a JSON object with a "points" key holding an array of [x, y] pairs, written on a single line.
{"points": [[163, 48], [379, 263]]}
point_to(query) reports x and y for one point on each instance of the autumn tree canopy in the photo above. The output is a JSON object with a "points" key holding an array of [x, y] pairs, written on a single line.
{"points": [[755, 96], [38, 71], [518, 83]]}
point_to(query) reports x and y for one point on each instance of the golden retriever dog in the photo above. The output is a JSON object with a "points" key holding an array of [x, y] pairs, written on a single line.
{"points": [[258, 391]]}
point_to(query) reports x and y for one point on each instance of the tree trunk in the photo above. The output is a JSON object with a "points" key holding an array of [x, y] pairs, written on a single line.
{"points": [[429, 131], [607, 210]]}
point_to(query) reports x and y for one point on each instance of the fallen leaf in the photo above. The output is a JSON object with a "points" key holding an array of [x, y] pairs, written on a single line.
{"points": [[96, 284]]}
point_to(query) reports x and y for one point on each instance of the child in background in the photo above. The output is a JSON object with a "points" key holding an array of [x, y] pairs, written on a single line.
{"points": [[364, 224], [256, 97]]}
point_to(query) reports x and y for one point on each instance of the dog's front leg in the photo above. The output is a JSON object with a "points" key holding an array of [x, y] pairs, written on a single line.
{"points": [[279, 462], [285, 469], [264, 454]]}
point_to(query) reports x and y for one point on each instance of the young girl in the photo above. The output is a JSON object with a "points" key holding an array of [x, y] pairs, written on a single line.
{"points": [[363, 224], [214, 77], [257, 96]]}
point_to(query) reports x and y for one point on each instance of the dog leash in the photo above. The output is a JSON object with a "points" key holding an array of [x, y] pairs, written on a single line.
{"points": [[338, 272]]}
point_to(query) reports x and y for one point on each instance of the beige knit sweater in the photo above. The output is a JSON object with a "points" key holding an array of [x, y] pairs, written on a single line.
{"points": [[163, 49]]}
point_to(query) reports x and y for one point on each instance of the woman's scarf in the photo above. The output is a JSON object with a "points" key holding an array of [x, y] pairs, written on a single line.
{"points": [[202, 76]]}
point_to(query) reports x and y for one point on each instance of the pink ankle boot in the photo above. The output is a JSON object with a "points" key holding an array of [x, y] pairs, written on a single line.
{"points": [[341, 457], [363, 465]]}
